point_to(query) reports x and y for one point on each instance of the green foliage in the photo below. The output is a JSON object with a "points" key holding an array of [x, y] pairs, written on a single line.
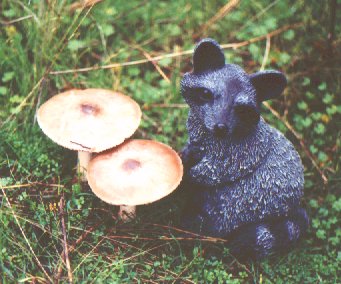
{"points": [[29, 155], [305, 266], [326, 223], [37, 37]]}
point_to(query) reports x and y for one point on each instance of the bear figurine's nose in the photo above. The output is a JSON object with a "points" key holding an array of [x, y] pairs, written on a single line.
{"points": [[220, 129]]}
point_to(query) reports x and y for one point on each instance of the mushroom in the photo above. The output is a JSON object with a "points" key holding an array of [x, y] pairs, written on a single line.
{"points": [[134, 173], [91, 120]]}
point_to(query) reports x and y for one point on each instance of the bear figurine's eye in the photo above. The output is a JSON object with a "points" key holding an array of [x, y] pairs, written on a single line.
{"points": [[246, 113], [242, 110], [199, 96], [203, 95]]}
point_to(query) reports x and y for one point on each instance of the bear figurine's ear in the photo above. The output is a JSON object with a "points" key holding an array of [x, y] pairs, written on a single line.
{"points": [[269, 84], [208, 55]]}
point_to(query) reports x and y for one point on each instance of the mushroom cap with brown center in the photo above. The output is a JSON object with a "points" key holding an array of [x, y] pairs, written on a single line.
{"points": [[134, 173], [91, 120]]}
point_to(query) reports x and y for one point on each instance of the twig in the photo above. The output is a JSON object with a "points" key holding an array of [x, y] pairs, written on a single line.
{"points": [[116, 65], [220, 14], [146, 107], [82, 4], [177, 54], [189, 232], [73, 247], [82, 237], [157, 67], [23, 233], [152, 122], [26, 8], [5, 23], [31, 184], [196, 237], [66, 250], [163, 238]]}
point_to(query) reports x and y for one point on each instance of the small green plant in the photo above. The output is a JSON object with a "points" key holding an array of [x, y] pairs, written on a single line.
{"points": [[326, 221]]}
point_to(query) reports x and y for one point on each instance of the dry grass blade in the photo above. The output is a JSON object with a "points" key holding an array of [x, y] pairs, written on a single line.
{"points": [[32, 184], [47, 71], [254, 18], [25, 100], [219, 15], [5, 23], [146, 107], [66, 250], [24, 235], [129, 63], [83, 4], [72, 248], [162, 238], [157, 67], [151, 255], [177, 54], [262, 37], [87, 255], [177, 278], [202, 237], [267, 52], [143, 252]]}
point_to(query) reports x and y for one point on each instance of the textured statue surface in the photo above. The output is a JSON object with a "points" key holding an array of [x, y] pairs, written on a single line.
{"points": [[244, 178]]}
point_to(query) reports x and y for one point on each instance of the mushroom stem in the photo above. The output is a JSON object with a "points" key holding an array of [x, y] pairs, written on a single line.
{"points": [[83, 162], [127, 212]]}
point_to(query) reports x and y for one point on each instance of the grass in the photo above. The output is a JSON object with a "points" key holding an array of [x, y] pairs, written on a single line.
{"points": [[38, 38]]}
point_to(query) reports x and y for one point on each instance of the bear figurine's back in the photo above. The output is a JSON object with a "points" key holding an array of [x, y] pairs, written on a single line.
{"points": [[245, 179]]}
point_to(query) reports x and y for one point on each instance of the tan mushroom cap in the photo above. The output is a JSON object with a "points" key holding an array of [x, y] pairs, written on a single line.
{"points": [[134, 173], [91, 120]]}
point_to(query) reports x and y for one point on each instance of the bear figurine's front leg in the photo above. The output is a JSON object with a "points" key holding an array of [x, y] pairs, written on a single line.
{"points": [[191, 155], [192, 218]]}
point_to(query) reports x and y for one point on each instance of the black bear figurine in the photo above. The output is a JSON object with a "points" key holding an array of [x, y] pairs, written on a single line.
{"points": [[244, 178]]}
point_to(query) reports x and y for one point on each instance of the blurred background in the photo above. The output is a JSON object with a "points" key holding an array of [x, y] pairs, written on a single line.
{"points": [[142, 49]]}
